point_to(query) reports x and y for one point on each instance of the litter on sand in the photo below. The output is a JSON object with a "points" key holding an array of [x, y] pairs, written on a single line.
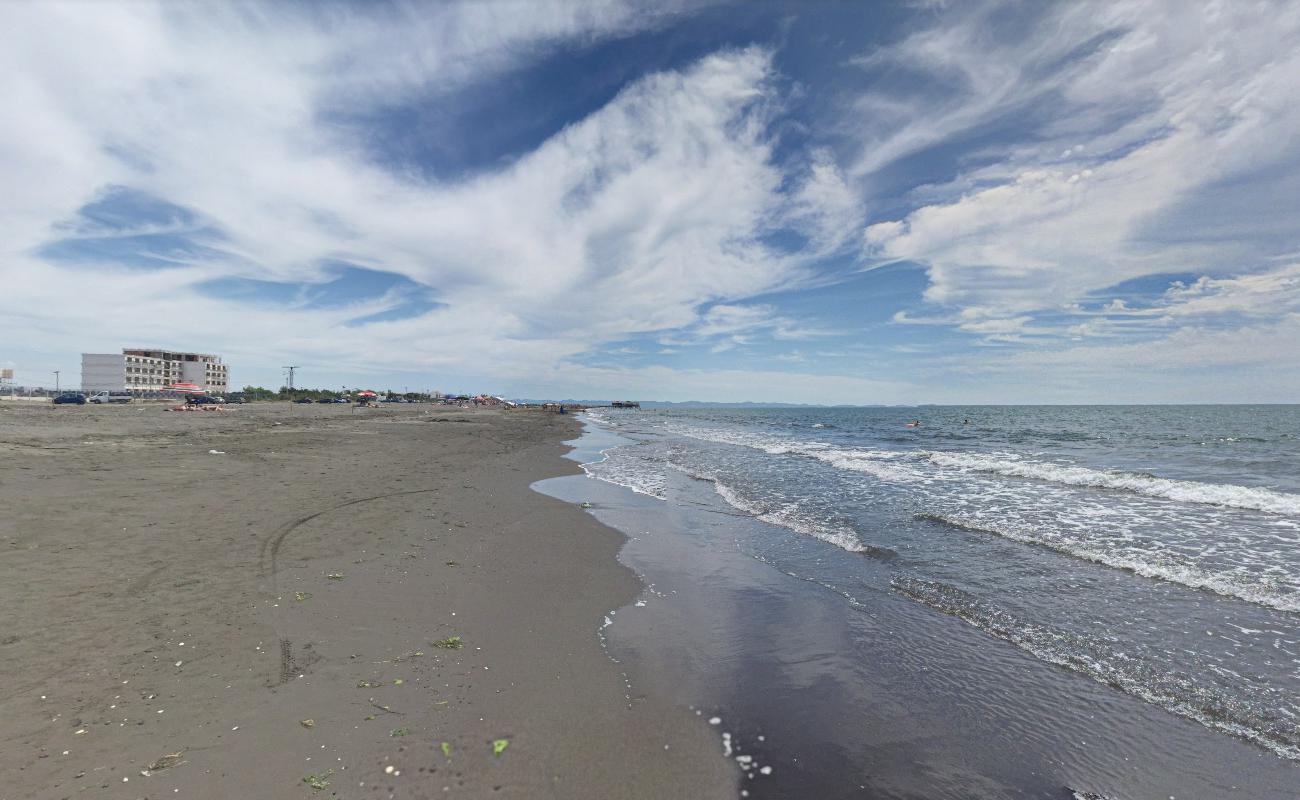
{"points": [[499, 746], [169, 760]]}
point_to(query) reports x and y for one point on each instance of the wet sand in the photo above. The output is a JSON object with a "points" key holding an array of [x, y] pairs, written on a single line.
{"points": [[261, 619]]}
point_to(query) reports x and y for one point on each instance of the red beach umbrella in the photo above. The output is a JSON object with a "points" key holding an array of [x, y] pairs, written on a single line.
{"points": [[187, 388], [366, 393]]}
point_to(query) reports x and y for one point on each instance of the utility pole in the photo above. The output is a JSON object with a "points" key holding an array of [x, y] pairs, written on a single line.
{"points": [[56, 381], [291, 369]]}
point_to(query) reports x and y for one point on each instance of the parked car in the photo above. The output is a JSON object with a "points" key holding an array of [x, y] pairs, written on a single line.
{"points": [[237, 398], [342, 400], [70, 397], [110, 397], [202, 400], [325, 400], [306, 400]]}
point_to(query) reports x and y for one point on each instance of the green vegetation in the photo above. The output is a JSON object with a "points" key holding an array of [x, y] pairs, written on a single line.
{"points": [[450, 643]]}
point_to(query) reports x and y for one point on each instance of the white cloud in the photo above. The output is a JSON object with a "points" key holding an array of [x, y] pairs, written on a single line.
{"points": [[625, 222], [1151, 108]]}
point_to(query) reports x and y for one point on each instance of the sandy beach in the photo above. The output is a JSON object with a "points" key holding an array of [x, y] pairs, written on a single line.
{"points": [[298, 601]]}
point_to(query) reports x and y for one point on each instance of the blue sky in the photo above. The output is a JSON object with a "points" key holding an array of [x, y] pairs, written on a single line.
{"points": [[893, 202]]}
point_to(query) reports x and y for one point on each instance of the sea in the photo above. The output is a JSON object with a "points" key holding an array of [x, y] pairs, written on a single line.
{"points": [[965, 602]]}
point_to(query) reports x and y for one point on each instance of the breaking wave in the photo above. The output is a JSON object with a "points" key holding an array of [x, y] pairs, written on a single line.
{"points": [[1216, 494], [909, 467], [1160, 565], [628, 474]]}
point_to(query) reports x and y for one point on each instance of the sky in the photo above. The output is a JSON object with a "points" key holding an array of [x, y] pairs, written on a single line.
{"points": [[839, 202]]}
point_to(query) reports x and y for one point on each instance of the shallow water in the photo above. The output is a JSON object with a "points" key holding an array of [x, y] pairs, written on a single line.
{"points": [[1034, 600]]}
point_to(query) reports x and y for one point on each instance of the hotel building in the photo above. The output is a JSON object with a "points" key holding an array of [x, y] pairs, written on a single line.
{"points": [[145, 371]]}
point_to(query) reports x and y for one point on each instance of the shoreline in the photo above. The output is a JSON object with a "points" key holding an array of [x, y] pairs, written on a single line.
{"points": [[818, 666], [263, 620]]}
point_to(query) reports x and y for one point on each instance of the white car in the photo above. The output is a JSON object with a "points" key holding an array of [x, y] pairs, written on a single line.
{"points": [[110, 397]]}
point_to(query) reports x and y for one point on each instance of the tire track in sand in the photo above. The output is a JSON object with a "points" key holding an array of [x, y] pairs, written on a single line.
{"points": [[268, 562]]}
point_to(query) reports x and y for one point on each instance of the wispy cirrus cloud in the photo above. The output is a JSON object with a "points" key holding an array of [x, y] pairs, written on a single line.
{"points": [[1076, 181], [627, 221], [1137, 118]]}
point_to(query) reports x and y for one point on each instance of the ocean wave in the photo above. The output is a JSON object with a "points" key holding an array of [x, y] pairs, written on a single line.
{"points": [[621, 471], [1158, 565], [904, 466], [1216, 494], [788, 516], [1267, 726]]}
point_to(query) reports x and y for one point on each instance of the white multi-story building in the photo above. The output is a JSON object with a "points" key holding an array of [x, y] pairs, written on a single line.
{"points": [[149, 371]]}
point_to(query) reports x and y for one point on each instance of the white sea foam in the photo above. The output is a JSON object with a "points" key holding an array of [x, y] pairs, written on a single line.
{"points": [[1145, 562], [788, 516], [1231, 495], [908, 467], [623, 470]]}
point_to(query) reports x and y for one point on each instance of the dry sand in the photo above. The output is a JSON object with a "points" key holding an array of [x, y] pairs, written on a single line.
{"points": [[174, 616]]}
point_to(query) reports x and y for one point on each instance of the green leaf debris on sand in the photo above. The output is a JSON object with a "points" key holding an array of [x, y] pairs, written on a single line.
{"points": [[368, 684], [318, 782], [300, 596], [334, 576], [446, 749], [499, 746], [397, 732], [450, 643]]}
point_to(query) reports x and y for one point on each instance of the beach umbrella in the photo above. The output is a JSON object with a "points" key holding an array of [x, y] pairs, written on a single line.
{"points": [[187, 388], [366, 393]]}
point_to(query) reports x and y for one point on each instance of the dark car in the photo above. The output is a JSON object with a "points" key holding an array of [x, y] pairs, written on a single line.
{"points": [[202, 400], [325, 400], [70, 397], [237, 398], [303, 400]]}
